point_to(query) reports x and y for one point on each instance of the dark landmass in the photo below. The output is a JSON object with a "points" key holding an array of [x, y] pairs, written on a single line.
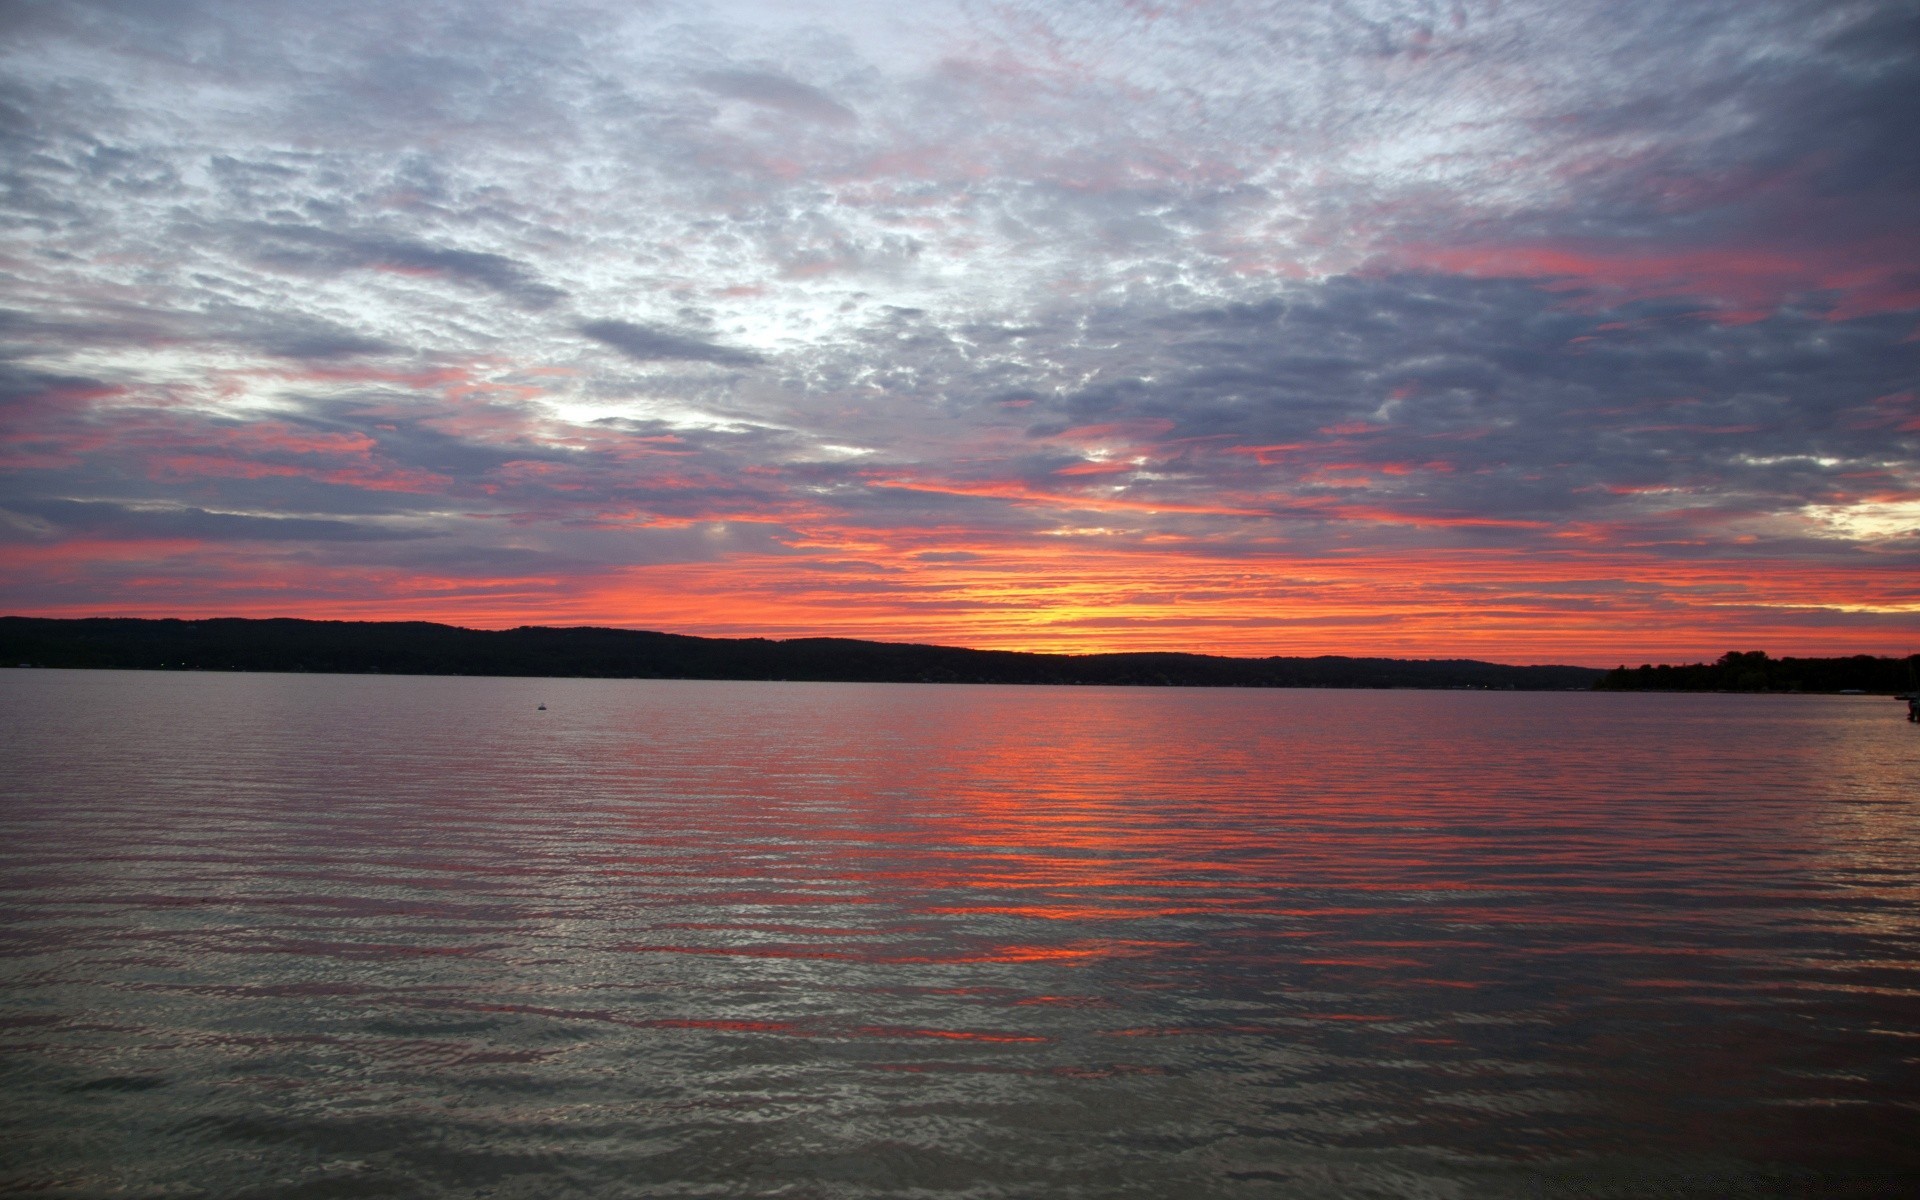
{"points": [[422, 648], [1753, 671]]}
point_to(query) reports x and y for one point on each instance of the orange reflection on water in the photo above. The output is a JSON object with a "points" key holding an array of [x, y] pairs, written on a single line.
{"points": [[1527, 927]]}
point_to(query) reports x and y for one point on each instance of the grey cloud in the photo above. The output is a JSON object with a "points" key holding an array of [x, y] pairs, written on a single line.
{"points": [[647, 343], [1435, 396], [1532, 407], [402, 425], [103, 325], [1849, 113], [310, 247], [28, 394], [320, 341], [563, 486], [279, 333], [59, 517], [777, 91], [1753, 144], [282, 334]]}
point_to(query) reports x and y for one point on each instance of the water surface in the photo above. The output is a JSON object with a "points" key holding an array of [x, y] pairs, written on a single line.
{"points": [[304, 936]]}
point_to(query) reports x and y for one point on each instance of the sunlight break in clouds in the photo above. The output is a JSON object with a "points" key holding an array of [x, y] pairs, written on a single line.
{"points": [[1575, 330]]}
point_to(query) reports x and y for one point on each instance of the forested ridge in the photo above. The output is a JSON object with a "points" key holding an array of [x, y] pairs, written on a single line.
{"points": [[426, 648], [1754, 671], [423, 648]]}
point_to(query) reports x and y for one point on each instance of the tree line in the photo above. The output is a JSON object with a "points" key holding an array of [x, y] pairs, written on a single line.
{"points": [[423, 648], [1754, 671]]}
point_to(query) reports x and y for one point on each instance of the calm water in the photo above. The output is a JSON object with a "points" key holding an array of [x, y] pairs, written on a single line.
{"points": [[305, 936]]}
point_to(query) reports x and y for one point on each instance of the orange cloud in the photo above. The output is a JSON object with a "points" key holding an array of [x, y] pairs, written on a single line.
{"points": [[1075, 594], [1742, 284], [1021, 493]]}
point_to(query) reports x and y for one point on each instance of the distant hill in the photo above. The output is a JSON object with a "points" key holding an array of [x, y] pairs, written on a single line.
{"points": [[1753, 671], [422, 648]]}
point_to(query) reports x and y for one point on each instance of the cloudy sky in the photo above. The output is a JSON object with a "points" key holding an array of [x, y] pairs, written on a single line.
{"points": [[1569, 330]]}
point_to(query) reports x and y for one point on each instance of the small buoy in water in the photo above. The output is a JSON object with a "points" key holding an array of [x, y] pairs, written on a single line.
{"points": [[543, 708]]}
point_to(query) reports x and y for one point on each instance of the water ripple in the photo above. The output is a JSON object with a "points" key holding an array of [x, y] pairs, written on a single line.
{"points": [[309, 936]]}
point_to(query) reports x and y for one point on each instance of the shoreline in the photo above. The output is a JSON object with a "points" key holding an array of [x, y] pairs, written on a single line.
{"points": [[295, 646]]}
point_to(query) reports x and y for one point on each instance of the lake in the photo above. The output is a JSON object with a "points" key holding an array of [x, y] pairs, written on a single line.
{"points": [[309, 936]]}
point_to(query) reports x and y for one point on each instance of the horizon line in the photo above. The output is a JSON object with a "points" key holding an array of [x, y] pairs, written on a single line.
{"points": [[1624, 663]]}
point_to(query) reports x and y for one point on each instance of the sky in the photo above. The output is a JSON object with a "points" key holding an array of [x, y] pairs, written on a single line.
{"points": [[1564, 331]]}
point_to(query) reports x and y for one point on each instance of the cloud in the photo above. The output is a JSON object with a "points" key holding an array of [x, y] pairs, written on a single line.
{"points": [[1065, 321], [312, 248], [319, 340], [646, 343], [282, 334], [778, 92], [66, 518]]}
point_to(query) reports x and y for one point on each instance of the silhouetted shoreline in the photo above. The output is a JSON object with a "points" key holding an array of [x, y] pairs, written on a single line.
{"points": [[424, 648], [1754, 671]]}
